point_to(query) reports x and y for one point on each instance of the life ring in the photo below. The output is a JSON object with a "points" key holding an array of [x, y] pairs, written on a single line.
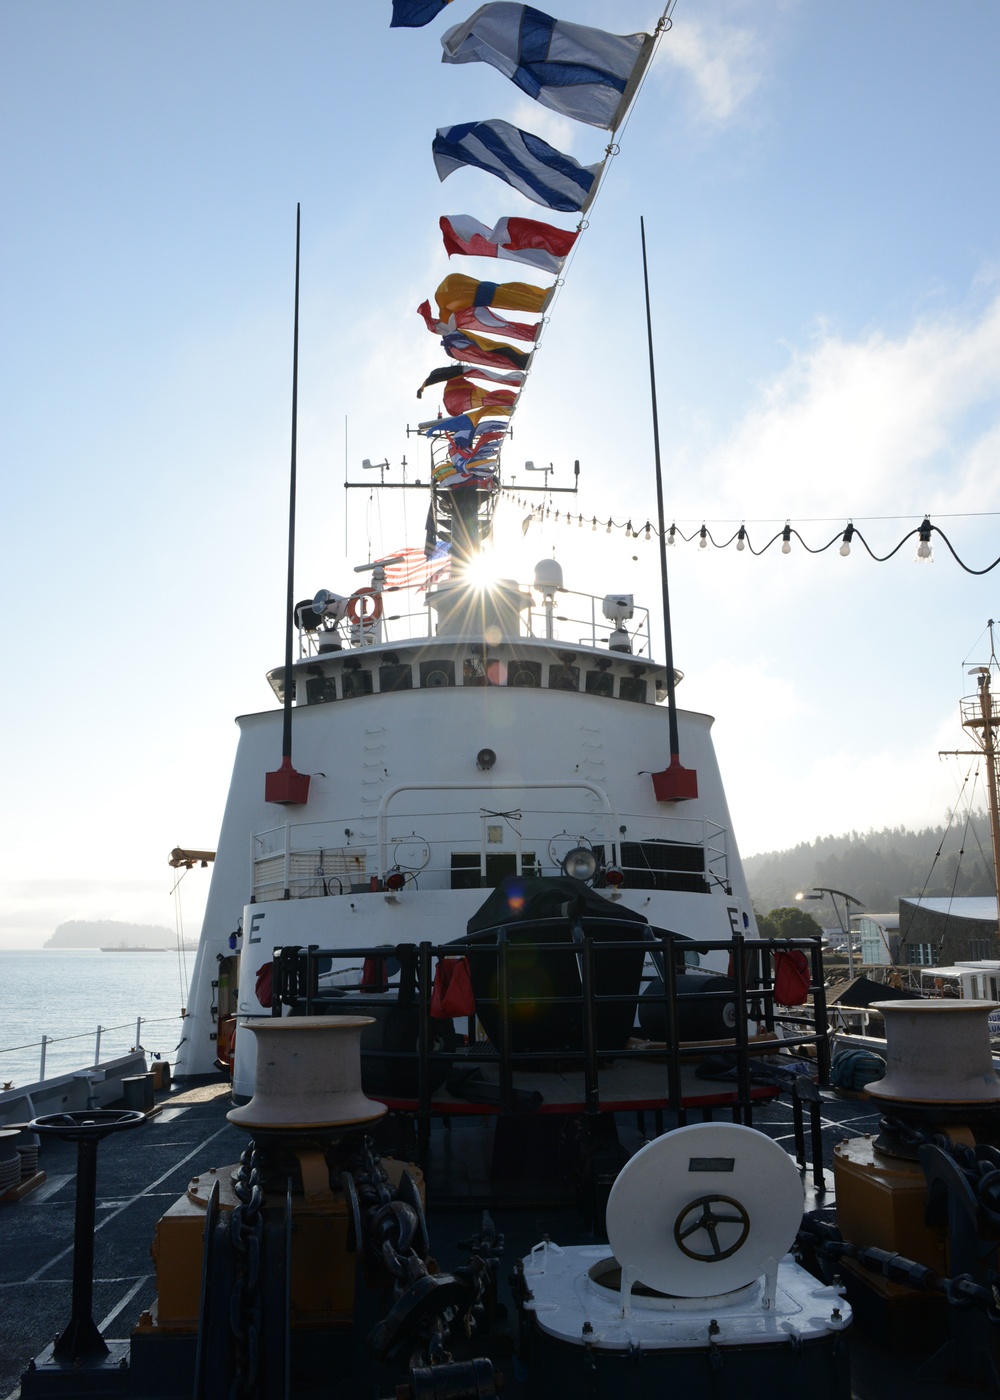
{"points": [[356, 607]]}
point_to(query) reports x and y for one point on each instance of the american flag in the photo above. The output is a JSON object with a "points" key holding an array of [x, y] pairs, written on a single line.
{"points": [[415, 569]]}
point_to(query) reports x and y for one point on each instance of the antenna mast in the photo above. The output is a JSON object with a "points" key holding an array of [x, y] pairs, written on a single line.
{"points": [[675, 783], [285, 785]]}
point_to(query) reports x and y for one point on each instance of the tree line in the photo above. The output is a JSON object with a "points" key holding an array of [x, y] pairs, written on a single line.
{"points": [[877, 867]]}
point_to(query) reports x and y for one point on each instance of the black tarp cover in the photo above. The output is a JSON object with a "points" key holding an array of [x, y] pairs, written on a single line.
{"points": [[546, 897], [863, 991]]}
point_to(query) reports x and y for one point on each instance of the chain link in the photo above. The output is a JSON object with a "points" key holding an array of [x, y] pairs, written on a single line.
{"points": [[246, 1231]]}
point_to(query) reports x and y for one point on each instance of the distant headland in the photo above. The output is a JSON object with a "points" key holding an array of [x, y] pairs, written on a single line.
{"points": [[110, 933]]}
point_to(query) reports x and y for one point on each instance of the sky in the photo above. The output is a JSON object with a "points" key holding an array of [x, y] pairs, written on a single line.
{"points": [[820, 195]]}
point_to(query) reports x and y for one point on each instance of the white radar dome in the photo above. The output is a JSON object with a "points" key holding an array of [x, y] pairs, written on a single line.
{"points": [[548, 576]]}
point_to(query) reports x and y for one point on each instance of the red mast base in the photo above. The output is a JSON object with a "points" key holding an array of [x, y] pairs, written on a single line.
{"points": [[286, 786], [676, 783]]}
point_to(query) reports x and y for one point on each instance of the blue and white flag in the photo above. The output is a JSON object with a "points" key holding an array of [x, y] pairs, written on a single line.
{"points": [[462, 426], [525, 161], [581, 72], [414, 14]]}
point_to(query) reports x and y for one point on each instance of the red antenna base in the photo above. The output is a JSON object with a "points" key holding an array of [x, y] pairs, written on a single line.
{"points": [[676, 783], [286, 786]]}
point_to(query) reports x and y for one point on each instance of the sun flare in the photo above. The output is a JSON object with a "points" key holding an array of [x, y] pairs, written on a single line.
{"points": [[483, 570]]}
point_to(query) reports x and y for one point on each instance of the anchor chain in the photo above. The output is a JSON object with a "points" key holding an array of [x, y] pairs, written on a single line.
{"points": [[980, 1165], [246, 1232], [431, 1311]]}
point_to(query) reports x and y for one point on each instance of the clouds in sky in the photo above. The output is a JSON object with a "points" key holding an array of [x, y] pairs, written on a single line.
{"points": [[905, 423], [724, 58]]}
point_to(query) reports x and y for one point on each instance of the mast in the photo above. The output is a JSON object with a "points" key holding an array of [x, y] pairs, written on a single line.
{"points": [[675, 783], [284, 785], [980, 717]]}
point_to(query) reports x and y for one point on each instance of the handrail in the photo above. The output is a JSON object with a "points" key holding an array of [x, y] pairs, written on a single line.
{"points": [[46, 1040], [296, 983], [604, 808]]}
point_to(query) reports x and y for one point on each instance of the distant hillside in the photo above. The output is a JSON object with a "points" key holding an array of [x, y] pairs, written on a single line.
{"points": [[108, 933], [878, 867]]}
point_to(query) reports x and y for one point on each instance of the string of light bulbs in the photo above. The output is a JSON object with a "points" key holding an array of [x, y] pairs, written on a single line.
{"points": [[845, 537]]}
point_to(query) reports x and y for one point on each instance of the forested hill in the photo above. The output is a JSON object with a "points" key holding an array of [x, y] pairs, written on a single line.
{"points": [[95, 933], [878, 867]]}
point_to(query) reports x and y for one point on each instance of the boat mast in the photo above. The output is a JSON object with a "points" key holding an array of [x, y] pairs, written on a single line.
{"points": [[980, 717], [285, 785], [676, 783]]}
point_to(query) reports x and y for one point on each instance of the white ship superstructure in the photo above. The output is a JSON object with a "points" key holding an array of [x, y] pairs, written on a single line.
{"points": [[487, 737]]}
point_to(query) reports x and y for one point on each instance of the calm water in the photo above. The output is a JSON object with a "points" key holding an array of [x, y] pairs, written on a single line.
{"points": [[68, 992]]}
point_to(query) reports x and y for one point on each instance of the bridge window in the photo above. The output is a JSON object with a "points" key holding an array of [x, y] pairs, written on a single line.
{"points": [[633, 688], [466, 865], [355, 683], [563, 676], [480, 670], [601, 683], [435, 674], [393, 675], [661, 865], [524, 673], [320, 689]]}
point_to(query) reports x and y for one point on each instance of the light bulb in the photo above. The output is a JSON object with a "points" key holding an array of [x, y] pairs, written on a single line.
{"points": [[845, 549], [648, 530], [786, 540], [925, 554], [594, 525], [703, 541], [670, 534], [741, 540], [609, 528]]}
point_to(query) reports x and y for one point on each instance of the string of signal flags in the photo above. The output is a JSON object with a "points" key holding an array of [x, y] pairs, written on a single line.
{"points": [[588, 75], [846, 536]]}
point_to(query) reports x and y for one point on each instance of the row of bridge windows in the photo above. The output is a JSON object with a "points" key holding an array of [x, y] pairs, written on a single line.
{"points": [[475, 671]]}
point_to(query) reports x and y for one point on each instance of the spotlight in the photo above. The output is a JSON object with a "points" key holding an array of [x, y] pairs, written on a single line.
{"points": [[580, 863]]}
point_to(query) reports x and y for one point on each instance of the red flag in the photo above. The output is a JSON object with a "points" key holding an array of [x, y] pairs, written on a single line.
{"points": [[520, 240], [496, 376], [461, 395], [477, 318]]}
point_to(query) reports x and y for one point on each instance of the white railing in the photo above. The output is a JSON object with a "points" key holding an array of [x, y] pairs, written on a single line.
{"points": [[580, 623], [311, 859], [41, 1047]]}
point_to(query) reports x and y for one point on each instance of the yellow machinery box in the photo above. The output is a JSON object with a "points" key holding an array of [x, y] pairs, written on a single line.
{"points": [[881, 1202]]}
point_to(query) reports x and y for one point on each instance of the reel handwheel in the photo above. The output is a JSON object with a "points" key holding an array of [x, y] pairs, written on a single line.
{"points": [[699, 1211], [705, 1215]]}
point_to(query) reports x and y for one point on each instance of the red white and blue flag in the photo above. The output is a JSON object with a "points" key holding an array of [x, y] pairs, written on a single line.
{"points": [[480, 350], [416, 569]]}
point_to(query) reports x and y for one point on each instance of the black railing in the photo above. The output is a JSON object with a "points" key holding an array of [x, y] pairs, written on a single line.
{"points": [[518, 1003]]}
